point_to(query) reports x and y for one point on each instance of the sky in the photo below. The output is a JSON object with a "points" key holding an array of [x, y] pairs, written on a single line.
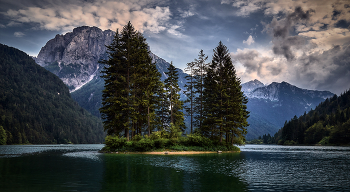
{"points": [[303, 42]]}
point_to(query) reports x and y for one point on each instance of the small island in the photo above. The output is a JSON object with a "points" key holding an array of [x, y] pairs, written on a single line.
{"points": [[162, 142], [142, 113]]}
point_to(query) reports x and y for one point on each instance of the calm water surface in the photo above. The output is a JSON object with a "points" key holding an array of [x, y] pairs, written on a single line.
{"points": [[256, 168]]}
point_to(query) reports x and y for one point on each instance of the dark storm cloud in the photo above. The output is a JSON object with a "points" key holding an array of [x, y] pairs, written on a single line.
{"points": [[342, 24], [329, 70], [280, 30], [336, 14]]}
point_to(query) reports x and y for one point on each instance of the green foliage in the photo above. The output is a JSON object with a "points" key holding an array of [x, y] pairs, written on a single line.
{"points": [[315, 133], [132, 82], [224, 105], [145, 144], [192, 142], [328, 124], [324, 141], [198, 140], [36, 107], [289, 142], [340, 134], [115, 142], [173, 96], [3, 136]]}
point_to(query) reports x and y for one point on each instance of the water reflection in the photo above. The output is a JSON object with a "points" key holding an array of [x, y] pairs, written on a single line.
{"points": [[256, 168], [207, 172]]}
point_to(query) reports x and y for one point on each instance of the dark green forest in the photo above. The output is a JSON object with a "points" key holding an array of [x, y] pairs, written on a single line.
{"points": [[327, 124], [36, 106]]}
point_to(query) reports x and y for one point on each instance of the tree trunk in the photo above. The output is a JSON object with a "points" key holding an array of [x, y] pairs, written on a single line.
{"points": [[149, 124]]}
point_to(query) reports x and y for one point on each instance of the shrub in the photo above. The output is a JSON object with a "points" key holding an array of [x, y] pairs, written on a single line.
{"points": [[115, 142], [324, 141], [137, 137], [156, 135], [161, 143], [280, 142], [144, 144], [289, 142], [199, 140]]}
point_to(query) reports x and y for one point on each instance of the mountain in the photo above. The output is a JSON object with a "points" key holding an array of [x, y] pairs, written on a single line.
{"points": [[36, 107], [251, 86], [270, 106], [328, 123], [74, 58]]}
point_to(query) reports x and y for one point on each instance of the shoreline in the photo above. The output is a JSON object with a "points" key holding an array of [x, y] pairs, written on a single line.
{"points": [[170, 152]]}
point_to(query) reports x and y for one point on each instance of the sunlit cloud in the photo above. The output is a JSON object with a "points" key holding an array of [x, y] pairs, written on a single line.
{"points": [[249, 41], [100, 13]]}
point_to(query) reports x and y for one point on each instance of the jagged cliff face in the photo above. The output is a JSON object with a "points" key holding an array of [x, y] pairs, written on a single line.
{"points": [[74, 56]]}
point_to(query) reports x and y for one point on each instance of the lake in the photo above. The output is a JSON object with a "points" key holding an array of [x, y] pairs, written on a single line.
{"points": [[255, 168]]}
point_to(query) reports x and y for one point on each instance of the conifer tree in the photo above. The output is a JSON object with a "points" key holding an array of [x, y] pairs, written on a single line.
{"points": [[195, 88], [176, 105], [225, 108], [190, 92], [199, 74], [131, 83]]}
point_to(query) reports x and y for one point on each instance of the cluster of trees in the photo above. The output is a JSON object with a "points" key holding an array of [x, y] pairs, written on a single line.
{"points": [[328, 123], [136, 102], [36, 107], [265, 139]]}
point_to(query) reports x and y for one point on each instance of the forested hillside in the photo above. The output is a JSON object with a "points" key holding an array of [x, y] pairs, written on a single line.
{"points": [[329, 123], [36, 107]]}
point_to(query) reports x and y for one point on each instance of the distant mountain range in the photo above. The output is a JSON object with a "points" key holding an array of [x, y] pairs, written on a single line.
{"points": [[74, 58], [271, 105]]}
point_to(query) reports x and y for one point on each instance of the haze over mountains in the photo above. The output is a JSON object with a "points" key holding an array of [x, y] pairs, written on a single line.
{"points": [[74, 58]]}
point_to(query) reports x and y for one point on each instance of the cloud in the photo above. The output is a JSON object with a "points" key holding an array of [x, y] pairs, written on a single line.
{"points": [[249, 41], [246, 7], [105, 14], [258, 64], [310, 45], [18, 34], [283, 42], [2, 26], [188, 13]]}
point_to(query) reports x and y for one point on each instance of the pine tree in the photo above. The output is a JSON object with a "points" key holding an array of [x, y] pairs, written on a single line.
{"points": [[199, 74], [190, 92], [131, 83], [176, 105], [195, 88], [225, 110]]}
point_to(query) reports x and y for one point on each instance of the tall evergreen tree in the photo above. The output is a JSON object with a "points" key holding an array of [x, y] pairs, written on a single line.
{"points": [[131, 83], [194, 89], [199, 74], [190, 92], [176, 105], [225, 108]]}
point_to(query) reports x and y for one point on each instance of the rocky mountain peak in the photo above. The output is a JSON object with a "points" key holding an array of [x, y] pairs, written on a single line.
{"points": [[251, 86], [74, 56]]}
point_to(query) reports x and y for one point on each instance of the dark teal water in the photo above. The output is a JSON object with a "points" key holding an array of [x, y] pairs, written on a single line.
{"points": [[256, 168]]}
